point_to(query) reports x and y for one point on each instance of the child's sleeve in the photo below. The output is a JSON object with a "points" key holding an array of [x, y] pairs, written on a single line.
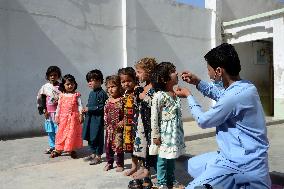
{"points": [[155, 112], [41, 104], [80, 105], [58, 107], [105, 116]]}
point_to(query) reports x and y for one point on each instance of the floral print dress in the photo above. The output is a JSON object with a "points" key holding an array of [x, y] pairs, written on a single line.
{"points": [[143, 128], [113, 115], [166, 124]]}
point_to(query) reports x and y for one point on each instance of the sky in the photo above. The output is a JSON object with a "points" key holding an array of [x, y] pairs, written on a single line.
{"points": [[201, 3], [195, 3]]}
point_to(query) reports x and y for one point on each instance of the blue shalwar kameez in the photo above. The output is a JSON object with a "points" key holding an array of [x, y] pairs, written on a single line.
{"points": [[242, 160]]}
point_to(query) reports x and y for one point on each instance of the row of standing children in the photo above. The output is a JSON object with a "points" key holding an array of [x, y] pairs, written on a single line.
{"points": [[144, 121]]}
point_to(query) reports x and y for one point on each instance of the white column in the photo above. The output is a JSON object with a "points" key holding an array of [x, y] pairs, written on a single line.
{"points": [[278, 62]]}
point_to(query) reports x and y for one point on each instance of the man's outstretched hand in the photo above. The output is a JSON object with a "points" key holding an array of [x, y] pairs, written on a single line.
{"points": [[190, 78]]}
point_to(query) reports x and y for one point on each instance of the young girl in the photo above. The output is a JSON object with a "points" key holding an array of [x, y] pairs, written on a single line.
{"points": [[69, 118], [128, 82], [144, 69], [113, 116], [167, 128], [47, 100]]}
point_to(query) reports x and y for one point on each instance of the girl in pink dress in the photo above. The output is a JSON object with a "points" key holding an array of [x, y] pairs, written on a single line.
{"points": [[69, 118]]}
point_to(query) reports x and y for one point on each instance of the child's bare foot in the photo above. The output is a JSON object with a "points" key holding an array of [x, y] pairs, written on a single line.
{"points": [[119, 169], [108, 167], [141, 175], [138, 172], [130, 172]]}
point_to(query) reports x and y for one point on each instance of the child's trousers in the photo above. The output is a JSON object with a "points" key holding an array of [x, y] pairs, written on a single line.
{"points": [[96, 147], [51, 139], [165, 171], [110, 157]]}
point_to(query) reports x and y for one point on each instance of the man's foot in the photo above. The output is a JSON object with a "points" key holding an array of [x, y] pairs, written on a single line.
{"points": [[95, 161], [108, 167], [119, 169], [130, 172], [89, 158]]}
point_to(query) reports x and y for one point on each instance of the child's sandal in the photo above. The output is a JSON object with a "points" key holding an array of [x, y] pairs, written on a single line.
{"points": [[95, 161], [73, 154], [108, 167], [147, 183], [48, 151], [54, 154], [135, 184]]}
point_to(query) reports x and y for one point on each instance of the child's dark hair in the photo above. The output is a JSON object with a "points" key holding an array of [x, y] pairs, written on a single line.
{"points": [[114, 79], [128, 71], [224, 56], [71, 79], [96, 75], [161, 75], [51, 69]]}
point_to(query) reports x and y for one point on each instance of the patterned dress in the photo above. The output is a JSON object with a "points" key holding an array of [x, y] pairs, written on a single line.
{"points": [[143, 129], [113, 114], [69, 134], [166, 124], [128, 133]]}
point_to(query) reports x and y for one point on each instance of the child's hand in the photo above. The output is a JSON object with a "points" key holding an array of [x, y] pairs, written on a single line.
{"points": [[157, 141], [46, 114], [56, 120], [81, 118]]}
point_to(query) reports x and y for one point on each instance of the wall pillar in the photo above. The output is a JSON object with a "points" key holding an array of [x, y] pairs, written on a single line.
{"points": [[278, 63]]}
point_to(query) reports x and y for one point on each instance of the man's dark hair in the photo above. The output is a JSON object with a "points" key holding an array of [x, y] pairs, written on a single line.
{"points": [[96, 75], [224, 56]]}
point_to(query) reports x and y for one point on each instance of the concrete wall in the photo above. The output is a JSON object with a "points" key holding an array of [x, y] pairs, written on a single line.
{"points": [[172, 32], [75, 35], [82, 35], [232, 9]]}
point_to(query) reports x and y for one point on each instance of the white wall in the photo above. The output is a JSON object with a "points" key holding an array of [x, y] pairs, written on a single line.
{"points": [[82, 35], [171, 32], [278, 58], [232, 9], [75, 35]]}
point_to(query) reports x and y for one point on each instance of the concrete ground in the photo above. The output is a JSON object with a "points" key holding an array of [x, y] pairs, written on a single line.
{"points": [[23, 164]]}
